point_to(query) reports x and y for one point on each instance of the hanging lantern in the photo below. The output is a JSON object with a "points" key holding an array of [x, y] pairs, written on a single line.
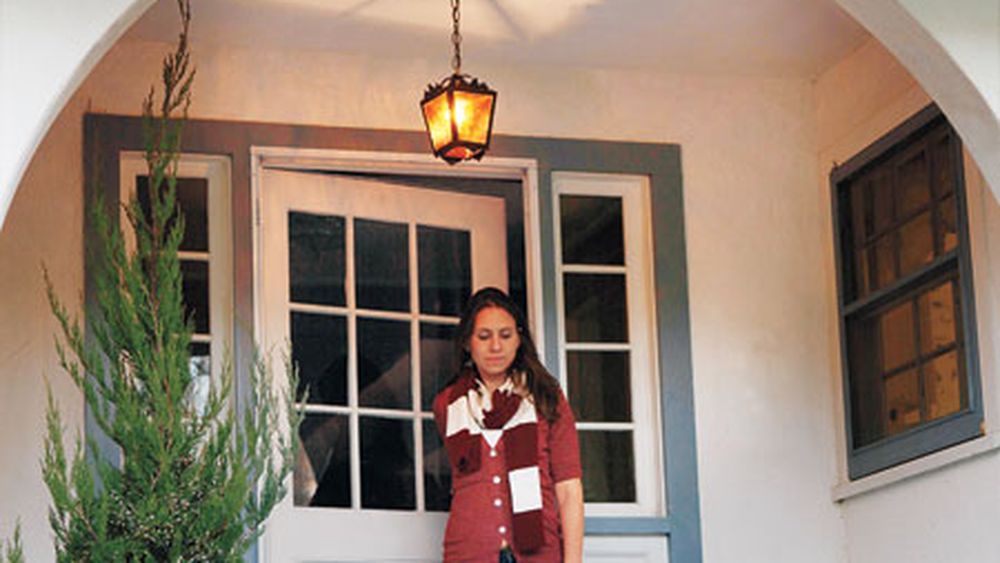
{"points": [[458, 111]]}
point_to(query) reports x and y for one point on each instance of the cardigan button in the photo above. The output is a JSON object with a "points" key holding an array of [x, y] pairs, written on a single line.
{"points": [[493, 453], [502, 529], [497, 503], [496, 479]]}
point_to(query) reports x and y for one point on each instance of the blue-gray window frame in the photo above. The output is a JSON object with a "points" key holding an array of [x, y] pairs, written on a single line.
{"points": [[106, 136], [937, 434]]}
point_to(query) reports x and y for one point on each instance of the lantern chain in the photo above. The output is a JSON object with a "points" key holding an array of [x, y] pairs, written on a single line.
{"points": [[456, 37]]}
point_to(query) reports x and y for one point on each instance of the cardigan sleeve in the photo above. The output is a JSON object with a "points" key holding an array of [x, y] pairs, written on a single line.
{"points": [[564, 445]]}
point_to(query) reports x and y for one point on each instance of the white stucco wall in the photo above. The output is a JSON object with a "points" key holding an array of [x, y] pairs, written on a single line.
{"points": [[755, 226], [945, 507]]}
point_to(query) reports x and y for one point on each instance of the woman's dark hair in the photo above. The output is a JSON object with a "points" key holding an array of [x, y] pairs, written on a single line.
{"points": [[543, 387]]}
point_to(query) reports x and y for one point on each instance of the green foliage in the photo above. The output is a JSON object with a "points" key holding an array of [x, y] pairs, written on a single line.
{"points": [[13, 551], [192, 482]]}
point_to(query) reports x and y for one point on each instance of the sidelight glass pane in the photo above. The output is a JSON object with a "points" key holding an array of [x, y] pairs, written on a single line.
{"points": [[322, 474], [384, 364], [947, 224], [596, 308], [319, 350], [608, 466], [896, 331], [316, 259], [437, 471], [945, 391], [913, 179], [439, 360], [445, 268], [382, 263], [599, 386], [902, 401], [916, 244], [387, 470], [200, 368], [192, 198], [591, 229], [937, 318], [194, 284]]}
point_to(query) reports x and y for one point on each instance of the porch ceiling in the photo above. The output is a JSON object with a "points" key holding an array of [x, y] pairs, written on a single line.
{"points": [[788, 38]]}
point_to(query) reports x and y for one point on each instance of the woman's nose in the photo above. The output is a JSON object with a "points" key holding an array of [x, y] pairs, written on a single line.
{"points": [[495, 343]]}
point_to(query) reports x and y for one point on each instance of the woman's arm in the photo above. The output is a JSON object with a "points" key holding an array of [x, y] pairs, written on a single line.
{"points": [[570, 496]]}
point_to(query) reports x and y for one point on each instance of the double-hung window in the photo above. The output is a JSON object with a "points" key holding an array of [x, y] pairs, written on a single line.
{"points": [[911, 383]]}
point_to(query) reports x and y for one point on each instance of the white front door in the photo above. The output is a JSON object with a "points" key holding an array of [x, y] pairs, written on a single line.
{"points": [[365, 280]]}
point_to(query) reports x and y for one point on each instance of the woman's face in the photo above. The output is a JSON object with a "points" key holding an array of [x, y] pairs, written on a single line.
{"points": [[494, 341]]}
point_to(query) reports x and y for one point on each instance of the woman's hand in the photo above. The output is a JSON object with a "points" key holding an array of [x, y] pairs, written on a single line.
{"points": [[570, 496]]}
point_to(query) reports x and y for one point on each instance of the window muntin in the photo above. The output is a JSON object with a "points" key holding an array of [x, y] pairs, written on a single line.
{"points": [[606, 338], [911, 382]]}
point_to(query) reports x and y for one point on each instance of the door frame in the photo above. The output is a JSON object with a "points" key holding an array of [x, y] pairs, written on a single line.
{"points": [[409, 164]]}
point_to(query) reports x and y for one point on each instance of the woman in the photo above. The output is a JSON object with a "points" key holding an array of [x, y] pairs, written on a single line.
{"points": [[512, 444]]}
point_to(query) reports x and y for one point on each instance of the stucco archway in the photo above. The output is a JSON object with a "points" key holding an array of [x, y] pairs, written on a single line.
{"points": [[57, 44]]}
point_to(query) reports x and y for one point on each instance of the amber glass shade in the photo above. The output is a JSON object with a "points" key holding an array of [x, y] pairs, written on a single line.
{"points": [[458, 113]]}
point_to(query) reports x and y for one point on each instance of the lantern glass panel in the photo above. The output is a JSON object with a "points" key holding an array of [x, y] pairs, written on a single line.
{"points": [[438, 118], [472, 116]]}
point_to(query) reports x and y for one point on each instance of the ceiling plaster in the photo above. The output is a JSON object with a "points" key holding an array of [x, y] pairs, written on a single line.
{"points": [[786, 38]]}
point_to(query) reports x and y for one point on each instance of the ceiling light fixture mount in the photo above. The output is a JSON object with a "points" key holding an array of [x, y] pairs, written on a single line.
{"points": [[458, 111]]}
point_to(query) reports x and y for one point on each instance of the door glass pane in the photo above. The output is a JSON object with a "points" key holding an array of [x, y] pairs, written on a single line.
{"points": [[914, 184], [322, 474], [608, 466], [316, 260], [437, 471], [916, 244], [944, 386], [387, 470], [438, 360], [600, 387], [902, 401], [595, 308], [591, 229], [937, 318], [382, 262], [896, 327], [445, 270], [319, 350], [384, 364], [192, 197], [194, 285]]}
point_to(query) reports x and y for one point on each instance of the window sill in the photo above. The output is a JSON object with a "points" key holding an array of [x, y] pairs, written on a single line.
{"points": [[924, 465]]}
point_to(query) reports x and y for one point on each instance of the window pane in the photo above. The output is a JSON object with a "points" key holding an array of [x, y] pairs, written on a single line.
{"points": [[445, 270], [316, 259], [595, 308], [608, 466], [437, 471], [902, 401], [322, 474], [591, 229], [859, 191], [382, 262], [948, 224], [896, 330], [200, 368], [945, 390], [600, 387], [937, 318], [916, 244], [861, 272], [387, 473], [319, 350], [438, 360], [913, 184], [885, 259], [882, 208], [384, 364], [192, 197], [864, 376], [194, 285], [941, 155]]}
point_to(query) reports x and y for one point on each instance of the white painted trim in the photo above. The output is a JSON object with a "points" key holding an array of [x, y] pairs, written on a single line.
{"points": [[640, 290]]}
